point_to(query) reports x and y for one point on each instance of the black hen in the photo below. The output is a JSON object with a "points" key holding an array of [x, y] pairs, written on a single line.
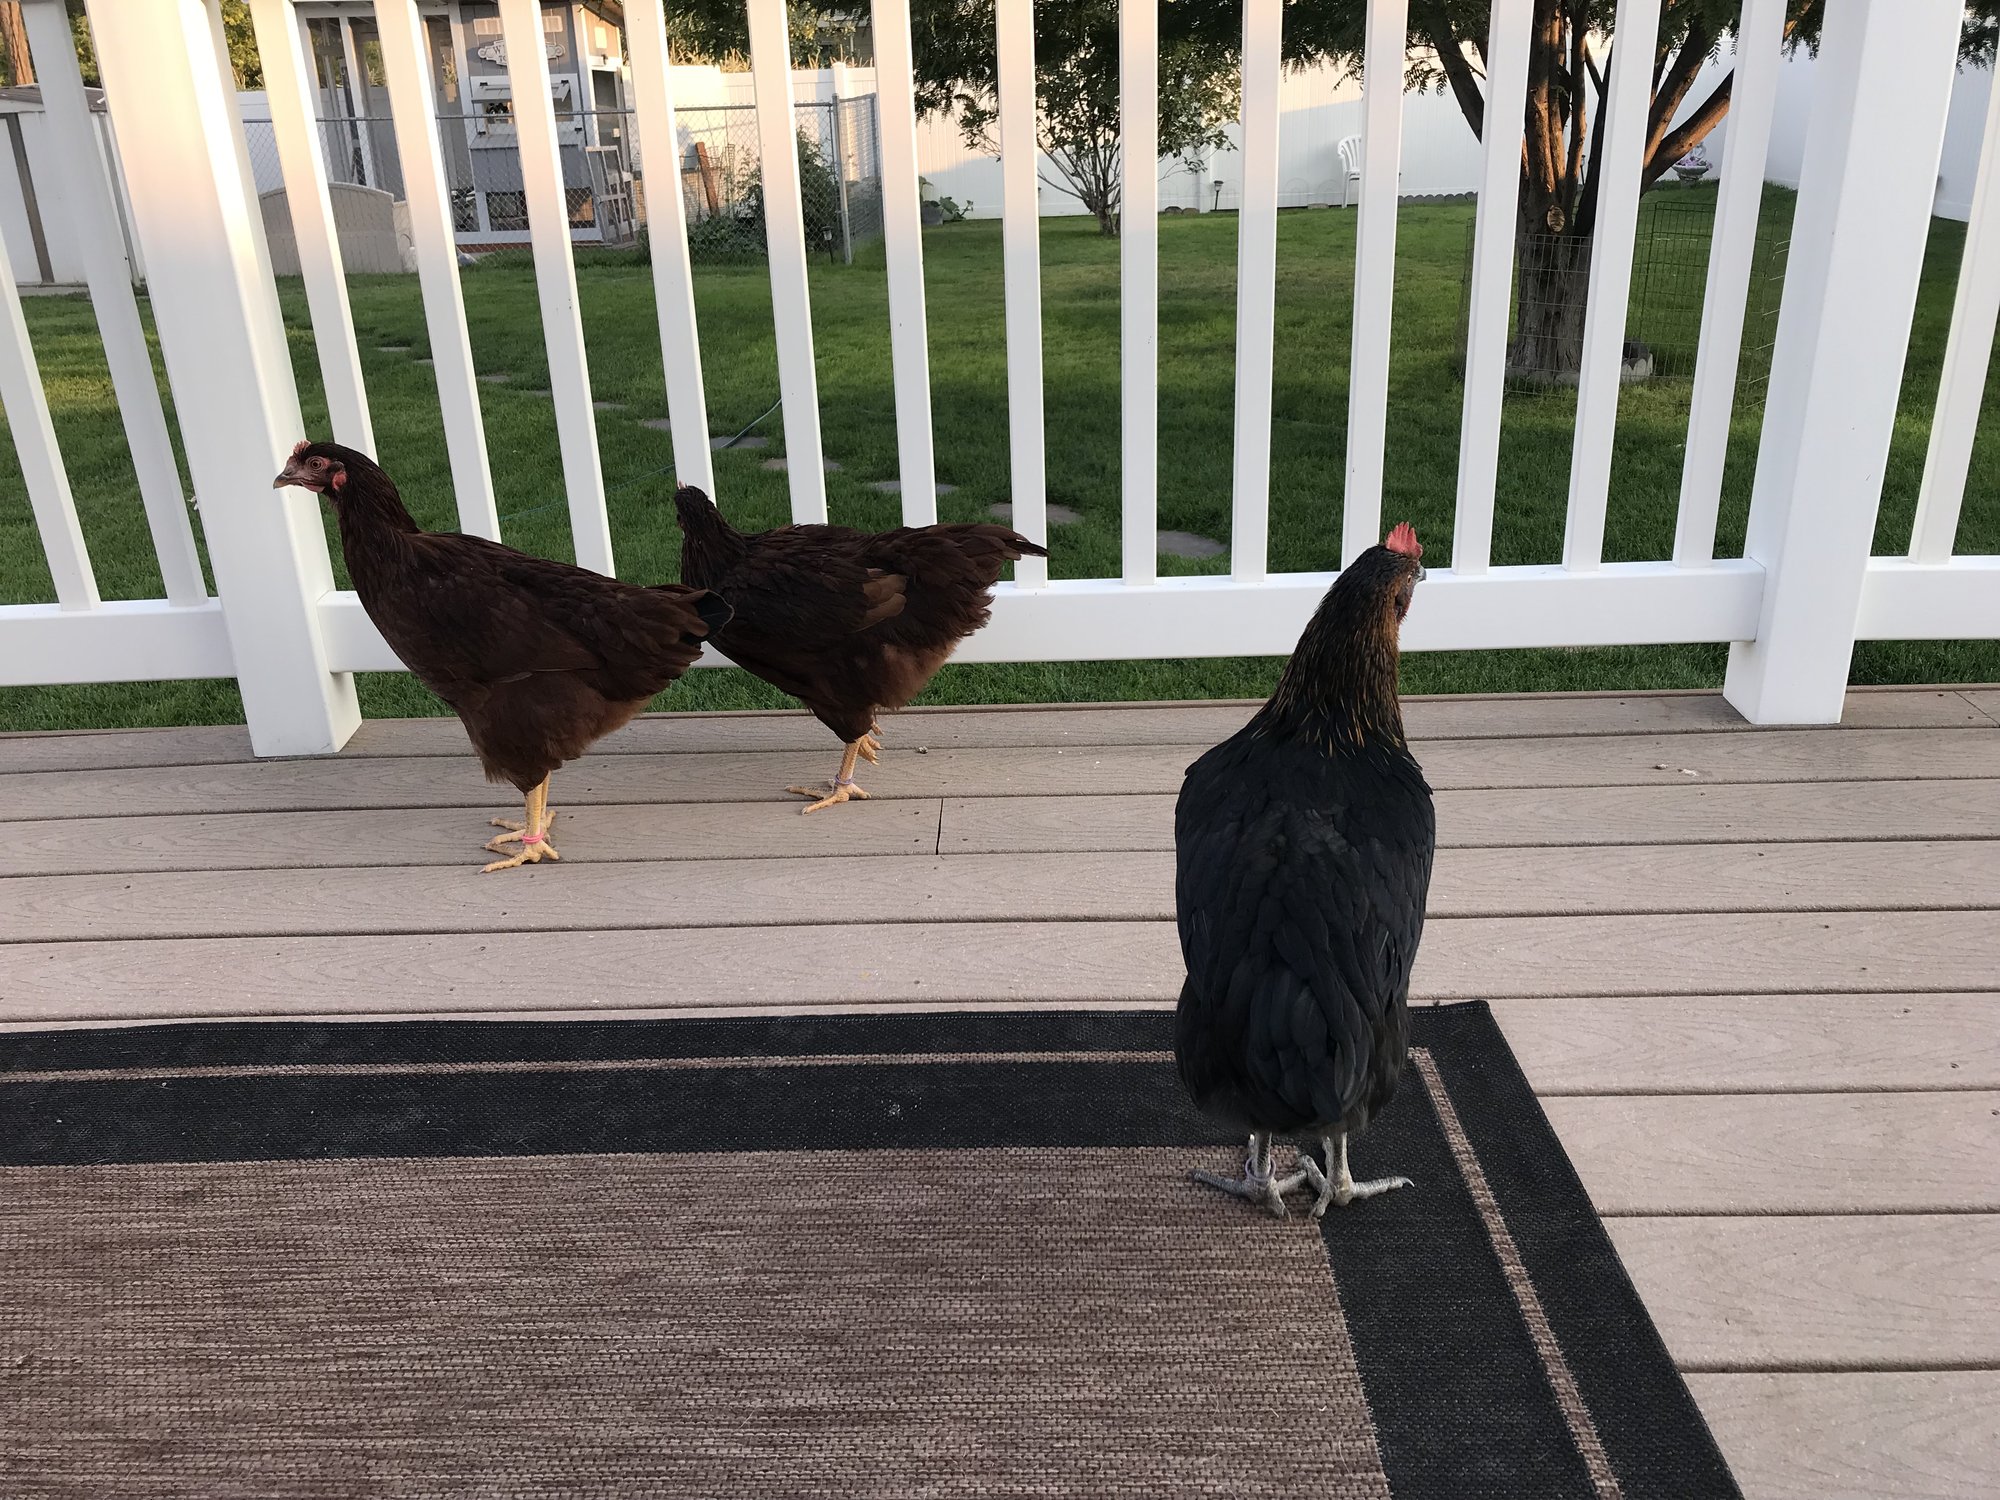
{"points": [[851, 623], [1304, 847]]}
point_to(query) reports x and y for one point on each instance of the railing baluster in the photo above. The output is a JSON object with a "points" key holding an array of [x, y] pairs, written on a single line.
{"points": [[86, 187], [1256, 291], [666, 214], [405, 64], [1492, 281], [903, 246], [1753, 100], [1872, 148], [311, 210], [1022, 251], [1967, 351], [273, 348], [27, 410], [785, 244], [555, 281], [1139, 283], [1374, 275], [1612, 236], [172, 100]]}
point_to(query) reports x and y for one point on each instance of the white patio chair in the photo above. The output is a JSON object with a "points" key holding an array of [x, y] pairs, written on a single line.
{"points": [[1350, 166]]}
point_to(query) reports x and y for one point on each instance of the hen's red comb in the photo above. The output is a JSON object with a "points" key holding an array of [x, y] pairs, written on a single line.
{"points": [[300, 446], [1404, 540]]}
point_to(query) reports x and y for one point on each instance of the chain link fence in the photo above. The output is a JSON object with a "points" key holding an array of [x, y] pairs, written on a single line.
{"points": [[716, 168]]}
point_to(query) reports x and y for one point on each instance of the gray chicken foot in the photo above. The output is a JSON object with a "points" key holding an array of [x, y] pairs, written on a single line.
{"points": [[1260, 1182], [1342, 1189]]}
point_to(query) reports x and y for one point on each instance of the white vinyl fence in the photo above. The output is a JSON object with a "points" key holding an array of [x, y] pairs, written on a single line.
{"points": [[1793, 607]]}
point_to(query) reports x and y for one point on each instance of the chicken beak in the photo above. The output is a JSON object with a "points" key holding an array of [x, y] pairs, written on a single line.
{"points": [[289, 475]]}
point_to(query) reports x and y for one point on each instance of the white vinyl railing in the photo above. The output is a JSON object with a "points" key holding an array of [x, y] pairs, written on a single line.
{"points": [[1792, 608]]}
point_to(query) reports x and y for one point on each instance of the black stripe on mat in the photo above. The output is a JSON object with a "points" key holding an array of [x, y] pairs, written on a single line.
{"points": [[1461, 1403], [1646, 1417], [276, 1043]]}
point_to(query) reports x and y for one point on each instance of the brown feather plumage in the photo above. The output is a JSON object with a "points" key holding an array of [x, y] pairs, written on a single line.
{"points": [[538, 658], [850, 623]]}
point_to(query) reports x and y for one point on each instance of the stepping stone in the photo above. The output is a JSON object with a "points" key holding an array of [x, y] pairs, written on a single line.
{"points": [[720, 443], [778, 465], [895, 487], [1187, 544], [658, 424], [610, 406], [538, 393], [424, 361], [1059, 515], [392, 348], [497, 379]]}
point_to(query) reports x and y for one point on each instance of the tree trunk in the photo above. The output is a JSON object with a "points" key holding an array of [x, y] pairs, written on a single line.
{"points": [[1553, 283], [1099, 198], [14, 36]]}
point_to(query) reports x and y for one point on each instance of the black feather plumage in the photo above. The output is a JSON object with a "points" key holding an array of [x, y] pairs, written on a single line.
{"points": [[1304, 846]]}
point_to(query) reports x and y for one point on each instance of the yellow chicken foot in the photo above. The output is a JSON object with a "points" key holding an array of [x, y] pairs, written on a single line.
{"points": [[843, 788], [1260, 1182], [532, 836], [870, 747], [494, 843]]}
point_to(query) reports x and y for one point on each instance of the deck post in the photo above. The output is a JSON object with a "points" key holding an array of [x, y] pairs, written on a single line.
{"points": [[221, 332], [1864, 212]]}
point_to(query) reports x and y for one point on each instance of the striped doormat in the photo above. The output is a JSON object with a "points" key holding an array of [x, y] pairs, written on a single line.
{"points": [[862, 1256]]}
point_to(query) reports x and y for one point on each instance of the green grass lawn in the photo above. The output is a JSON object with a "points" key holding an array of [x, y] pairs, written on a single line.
{"points": [[968, 373]]}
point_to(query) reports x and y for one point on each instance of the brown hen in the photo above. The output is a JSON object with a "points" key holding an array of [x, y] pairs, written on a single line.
{"points": [[538, 658], [850, 623]]}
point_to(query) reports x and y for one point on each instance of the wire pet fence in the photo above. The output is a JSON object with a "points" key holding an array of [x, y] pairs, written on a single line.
{"points": [[717, 170], [1663, 312], [840, 179]]}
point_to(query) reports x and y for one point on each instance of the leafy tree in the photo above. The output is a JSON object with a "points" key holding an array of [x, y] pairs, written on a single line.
{"points": [[1568, 67], [236, 26], [242, 38], [1076, 75], [1076, 89]]}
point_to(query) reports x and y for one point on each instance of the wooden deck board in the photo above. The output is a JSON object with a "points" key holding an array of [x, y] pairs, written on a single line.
{"points": [[1761, 1002], [1894, 1435], [1790, 1153], [743, 776], [1755, 1044], [1458, 717], [385, 837], [1560, 817], [1114, 962], [1820, 1293], [771, 827], [209, 900]]}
